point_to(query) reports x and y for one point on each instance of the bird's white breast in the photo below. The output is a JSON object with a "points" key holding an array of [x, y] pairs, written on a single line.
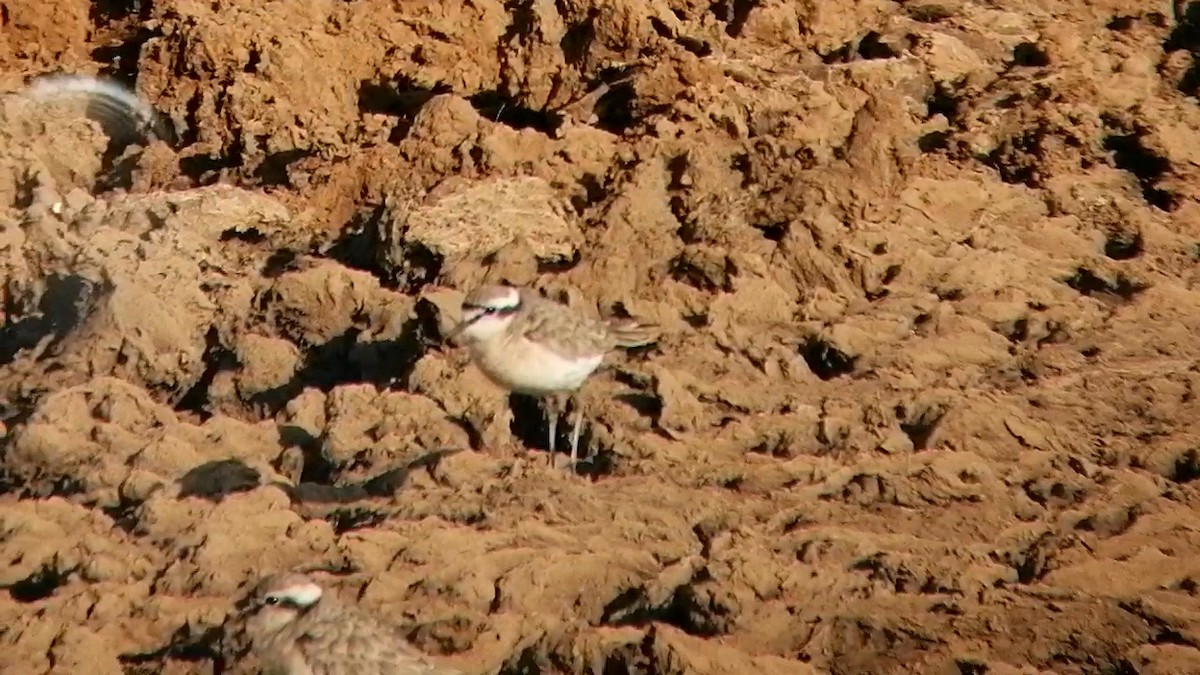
{"points": [[527, 367]]}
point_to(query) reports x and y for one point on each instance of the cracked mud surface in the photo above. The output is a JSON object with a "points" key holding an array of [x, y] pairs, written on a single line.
{"points": [[926, 397]]}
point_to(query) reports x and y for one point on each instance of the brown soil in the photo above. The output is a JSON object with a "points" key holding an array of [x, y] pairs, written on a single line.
{"points": [[926, 399]]}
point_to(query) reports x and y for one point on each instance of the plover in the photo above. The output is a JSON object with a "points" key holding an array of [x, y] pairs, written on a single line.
{"points": [[295, 628], [532, 345], [118, 108]]}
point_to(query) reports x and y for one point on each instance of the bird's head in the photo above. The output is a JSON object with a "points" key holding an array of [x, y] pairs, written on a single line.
{"points": [[486, 312], [277, 601]]}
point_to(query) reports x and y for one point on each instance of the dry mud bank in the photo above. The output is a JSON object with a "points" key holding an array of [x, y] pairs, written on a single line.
{"points": [[926, 399]]}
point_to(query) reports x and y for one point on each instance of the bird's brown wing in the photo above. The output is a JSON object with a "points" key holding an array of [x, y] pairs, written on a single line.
{"points": [[561, 330], [575, 335], [354, 644]]}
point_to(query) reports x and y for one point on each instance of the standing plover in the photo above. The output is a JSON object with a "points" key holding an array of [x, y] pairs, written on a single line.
{"points": [[532, 345], [295, 628]]}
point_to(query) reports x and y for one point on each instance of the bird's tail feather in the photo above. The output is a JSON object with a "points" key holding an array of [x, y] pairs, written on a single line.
{"points": [[628, 333]]}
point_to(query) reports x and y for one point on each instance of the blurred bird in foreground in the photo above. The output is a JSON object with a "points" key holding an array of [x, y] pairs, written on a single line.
{"points": [[295, 628], [123, 115]]}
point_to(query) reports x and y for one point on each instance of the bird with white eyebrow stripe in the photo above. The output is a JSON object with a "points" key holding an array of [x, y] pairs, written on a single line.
{"points": [[295, 628], [531, 345]]}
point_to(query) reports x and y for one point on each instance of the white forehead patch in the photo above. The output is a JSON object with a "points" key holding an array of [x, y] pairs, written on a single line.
{"points": [[302, 594], [494, 297], [510, 298]]}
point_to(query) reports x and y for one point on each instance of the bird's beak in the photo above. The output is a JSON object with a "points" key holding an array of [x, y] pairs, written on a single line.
{"points": [[458, 330]]}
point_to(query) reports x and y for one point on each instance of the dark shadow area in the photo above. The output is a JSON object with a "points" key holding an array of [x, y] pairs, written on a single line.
{"points": [[1112, 291], [319, 480], [1018, 159], [869, 47], [341, 360], [250, 235], [578, 38], [67, 300], [595, 191], [647, 405], [117, 171], [825, 360], [208, 169], [120, 58], [104, 11], [37, 486], [1029, 55], [280, 262], [697, 47], [39, 585], [217, 479], [532, 428], [124, 514], [971, 667], [1123, 245], [217, 357], [401, 98], [928, 13], [190, 644], [389, 482], [345, 359], [941, 102], [1187, 467], [1129, 154], [10, 483], [920, 429], [355, 518], [273, 170], [358, 244], [533, 661], [422, 267], [696, 616], [600, 461], [504, 109], [733, 13], [559, 265], [615, 109], [772, 231], [934, 141], [1186, 34], [361, 241], [707, 280]]}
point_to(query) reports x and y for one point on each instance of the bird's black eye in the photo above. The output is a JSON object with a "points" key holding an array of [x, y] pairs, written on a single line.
{"points": [[270, 600]]}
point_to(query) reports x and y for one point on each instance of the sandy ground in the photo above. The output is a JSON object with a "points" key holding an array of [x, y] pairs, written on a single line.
{"points": [[925, 401]]}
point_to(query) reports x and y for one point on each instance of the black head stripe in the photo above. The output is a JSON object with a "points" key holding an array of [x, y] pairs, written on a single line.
{"points": [[284, 601], [488, 309]]}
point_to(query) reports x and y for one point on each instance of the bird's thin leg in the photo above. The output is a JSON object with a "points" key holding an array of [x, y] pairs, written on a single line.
{"points": [[551, 407], [575, 433]]}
